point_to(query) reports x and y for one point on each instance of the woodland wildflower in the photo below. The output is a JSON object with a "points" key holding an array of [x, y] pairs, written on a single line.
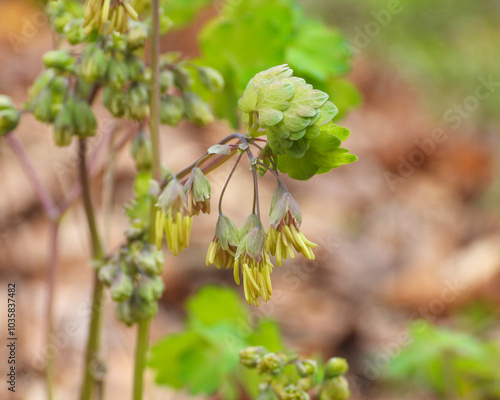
{"points": [[172, 218], [222, 249], [284, 234], [255, 264], [198, 192]]}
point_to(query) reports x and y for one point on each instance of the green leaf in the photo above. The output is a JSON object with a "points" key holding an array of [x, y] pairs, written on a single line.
{"points": [[182, 12], [318, 51], [215, 304], [267, 334], [324, 153]]}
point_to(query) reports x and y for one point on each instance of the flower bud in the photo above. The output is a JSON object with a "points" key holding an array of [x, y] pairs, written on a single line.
{"points": [[292, 392], [58, 59], [138, 102], [122, 287], [270, 363], [9, 119], [305, 383], [142, 152], [198, 193], [171, 110], [85, 121], [108, 272], [117, 73], [150, 260], [135, 230], [335, 389], [125, 313], [5, 102], [150, 288], [136, 36], [226, 232], [74, 32], [250, 356], [94, 63], [135, 68], [335, 367], [115, 101], [43, 107], [59, 23], [196, 110], [144, 310], [166, 79], [211, 78], [306, 367], [64, 124]]}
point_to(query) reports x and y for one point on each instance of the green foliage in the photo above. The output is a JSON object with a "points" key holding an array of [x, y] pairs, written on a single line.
{"points": [[444, 361], [182, 12], [204, 357], [258, 34]]}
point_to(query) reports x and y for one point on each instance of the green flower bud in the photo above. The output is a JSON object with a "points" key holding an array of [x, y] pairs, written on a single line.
{"points": [[150, 260], [59, 59], [305, 383], [306, 367], [171, 110], [108, 272], [40, 84], [5, 102], [142, 152], [137, 36], [94, 63], [335, 389], [125, 313], [135, 230], [211, 78], [117, 73], [292, 392], [144, 310], [122, 287], [85, 121], [166, 80], [9, 119], [59, 23], [44, 107], [335, 367], [135, 67], [226, 232], [115, 101], [138, 102], [270, 363], [64, 124], [165, 23], [250, 356], [198, 193], [150, 288], [196, 110], [74, 32]]}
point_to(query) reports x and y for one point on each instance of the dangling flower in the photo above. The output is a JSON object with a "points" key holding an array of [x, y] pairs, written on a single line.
{"points": [[172, 218], [222, 248], [284, 234], [198, 191], [255, 264]]}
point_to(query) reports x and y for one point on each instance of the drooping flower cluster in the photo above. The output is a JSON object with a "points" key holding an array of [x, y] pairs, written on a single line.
{"points": [[175, 209], [110, 14], [248, 251], [289, 109]]}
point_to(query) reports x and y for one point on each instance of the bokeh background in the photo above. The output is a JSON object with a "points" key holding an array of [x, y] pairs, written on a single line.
{"points": [[407, 233]]}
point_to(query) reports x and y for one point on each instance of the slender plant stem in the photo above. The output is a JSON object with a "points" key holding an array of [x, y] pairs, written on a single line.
{"points": [[227, 181], [141, 349], [92, 358], [51, 277], [42, 192], [142, 343]]}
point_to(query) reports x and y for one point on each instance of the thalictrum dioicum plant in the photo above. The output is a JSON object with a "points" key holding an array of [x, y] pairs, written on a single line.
{"points": [[288, 129]]}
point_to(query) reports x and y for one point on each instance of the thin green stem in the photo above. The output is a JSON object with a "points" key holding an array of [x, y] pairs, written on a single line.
{"points": [[256, 203], [92, 357], [141, 350], [227, 181], [142, 342]]}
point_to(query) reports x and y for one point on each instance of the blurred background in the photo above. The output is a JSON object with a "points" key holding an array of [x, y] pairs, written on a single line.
{"points": [[407, 278]]}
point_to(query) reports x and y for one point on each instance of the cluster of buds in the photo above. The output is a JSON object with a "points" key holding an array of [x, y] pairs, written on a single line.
{"points": [[289, 109], [248, 251], [112, 15], [133, 276], [177, 205], [303, 383]]}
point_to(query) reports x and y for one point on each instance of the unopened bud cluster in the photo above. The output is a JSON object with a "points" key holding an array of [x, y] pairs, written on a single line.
{"points": [[9, 115], [133, 276], [281, 382]]}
